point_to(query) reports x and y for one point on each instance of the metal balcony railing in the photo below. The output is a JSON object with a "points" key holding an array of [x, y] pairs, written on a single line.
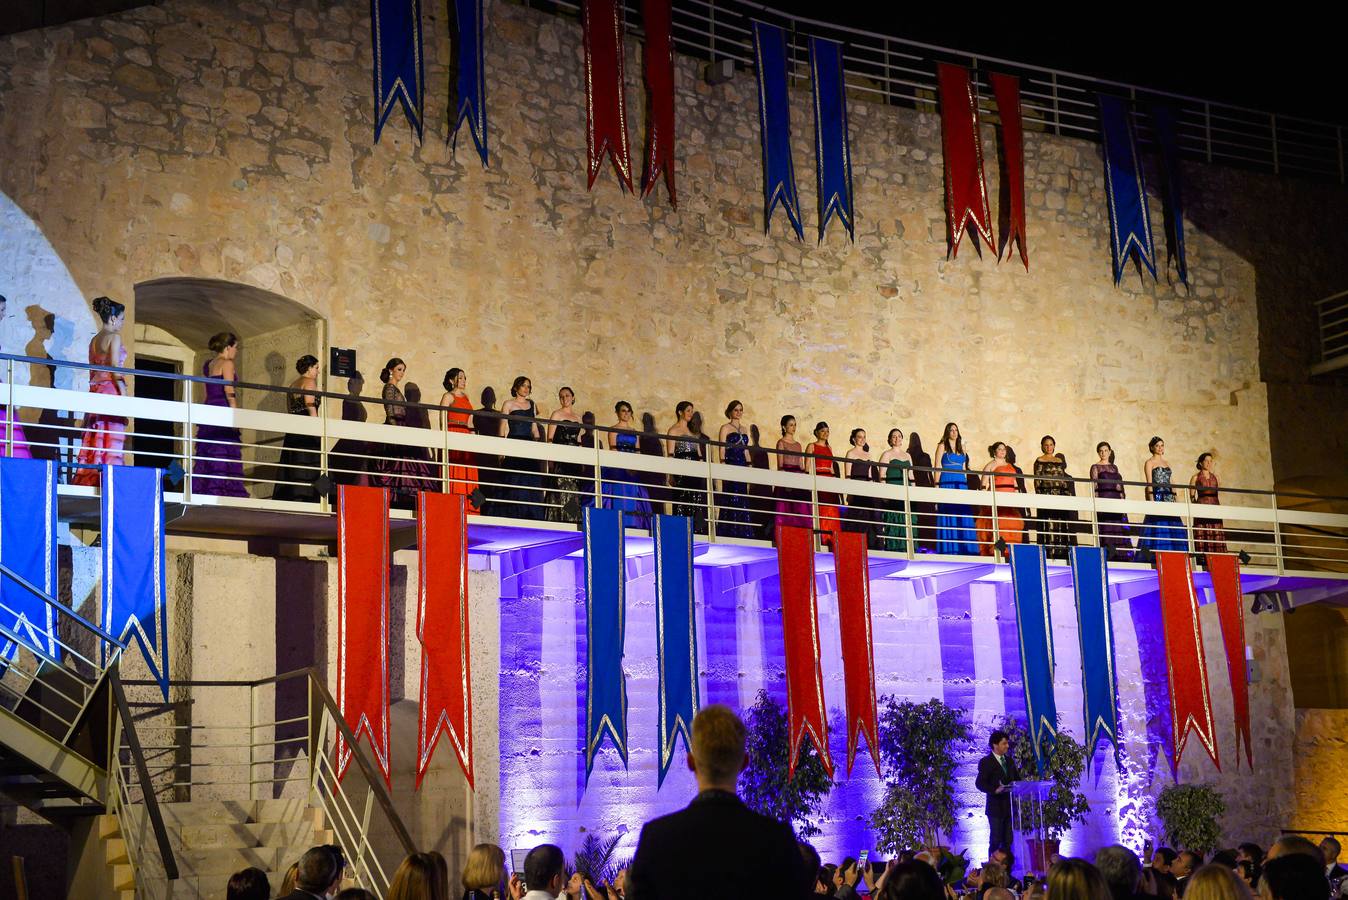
{"points": [[1332, 313]]}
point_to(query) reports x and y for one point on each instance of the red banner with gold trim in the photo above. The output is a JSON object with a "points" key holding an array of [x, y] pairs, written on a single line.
{"points": [[800, 635], [1186, 663], [1225, 572], [362, 621], [442, 628], [858, 654], [605, 94], [1011, 211], [658, 70], [966, 191]]}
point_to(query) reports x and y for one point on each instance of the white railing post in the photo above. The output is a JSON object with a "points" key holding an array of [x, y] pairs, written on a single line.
{"points": [[1277, 536], [996, 529], [908, 514], [324, 460], [9, 407], [363, 846], [1095, 516], [190, 442], [444, 457], [1273, 135], [711, 499], [1189, 515], [598, 476], [814, 503], [252, 742]]}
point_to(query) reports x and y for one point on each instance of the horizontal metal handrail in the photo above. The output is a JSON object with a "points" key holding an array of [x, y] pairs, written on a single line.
{"points": [[64, 610]]}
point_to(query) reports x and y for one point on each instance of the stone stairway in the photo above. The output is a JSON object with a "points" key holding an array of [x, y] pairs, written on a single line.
{"points": [[212, 839]]}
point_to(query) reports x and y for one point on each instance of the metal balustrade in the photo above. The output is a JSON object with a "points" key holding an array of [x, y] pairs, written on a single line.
{"points": [[1332, 313], [729, 503]]}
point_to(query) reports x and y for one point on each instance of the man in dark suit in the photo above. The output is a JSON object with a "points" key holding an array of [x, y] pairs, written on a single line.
{"points": [[996, 771], [319, 875], [716, 846]]}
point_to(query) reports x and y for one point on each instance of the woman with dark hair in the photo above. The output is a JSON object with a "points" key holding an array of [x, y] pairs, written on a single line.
{"points": [[456, 415], [19, 439], [104, 435], [487, 422], [1056, 528], [733, 517], [217, 465], [299, 452], [1160, 532], [830, 503], [761, 504], [400, 468], [1113, 526], [689, 492], [622, 491], [924, 513], [1010, 521], [793, 504], [348, 460], [1209, 535], [895, 463], [568, 495], [862, 512], [955, 532], [651, 444], [914, 880], [523, 498], [248, 884]]}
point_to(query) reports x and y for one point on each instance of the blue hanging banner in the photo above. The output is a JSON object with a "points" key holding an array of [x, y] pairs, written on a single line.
{"points": [[605, 614], [1095, 627], [774, 118], [1029, 579], [1163, 120], [471, 101], [134, 597], [675, 635], [395, 27], [28, 550], [832, 148], [1125, 189]]}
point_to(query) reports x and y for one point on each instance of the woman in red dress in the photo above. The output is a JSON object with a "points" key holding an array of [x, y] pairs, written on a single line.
{"points": [[821, 454], [1010, 521], [458, 417], [104, 435]]}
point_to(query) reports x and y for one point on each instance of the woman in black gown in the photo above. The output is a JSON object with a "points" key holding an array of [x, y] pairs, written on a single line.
{"points": [[523, 497], [568, 495], [299, 452]]}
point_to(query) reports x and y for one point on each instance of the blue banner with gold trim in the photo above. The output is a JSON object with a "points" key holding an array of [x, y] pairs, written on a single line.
{"points": [[774, 118], [1034, 623], [1125, 188], [134, 597], [605, 618], [28, 550], [1163, 122], [832, 147], [1095, 629], [675, 635], [395, 28], [471, 101]]}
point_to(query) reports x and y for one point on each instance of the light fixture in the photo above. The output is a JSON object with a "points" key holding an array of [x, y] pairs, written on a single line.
{"points": [[719, 71]]}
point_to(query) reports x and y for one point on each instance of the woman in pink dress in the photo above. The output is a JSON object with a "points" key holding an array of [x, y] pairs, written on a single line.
{"points": [[104, 435], [20, 449]]}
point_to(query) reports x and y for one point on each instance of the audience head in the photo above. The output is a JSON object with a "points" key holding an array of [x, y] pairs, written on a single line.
{"points": [[994, 875], [288, 880], [422, 876], [354, 893], [1076, 879], [846, 873], [1225, 858], [1250, 851], [1185, 863], [717, 756], [321, 869], [1121, 869], [1247, 872], [110, 311], [913, 881], [1163, 859], [999, 893], [1215, 882], [1003, 858], [393, 363], [826, 876], [1329, 849], [221, 342], [305, 363], [545, 869], [485, 869], [1294, 845], [248, 884], [1293, 876], [809, 858]]}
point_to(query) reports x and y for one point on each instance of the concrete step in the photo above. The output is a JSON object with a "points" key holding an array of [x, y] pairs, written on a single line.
{"points": [[108, 826], [241, 834], [235, 812], [225, 861], [123, 877], [114, 851]]}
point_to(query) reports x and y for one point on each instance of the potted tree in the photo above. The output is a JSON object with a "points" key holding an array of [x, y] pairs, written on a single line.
{"points": [[1064, 764], [765, 786], [1188, 814]]}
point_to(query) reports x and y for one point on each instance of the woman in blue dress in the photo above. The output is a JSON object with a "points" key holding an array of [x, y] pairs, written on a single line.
{"points": [[1161, 532], [622, 490], [955, 530], [524, 497], [732, 504]]}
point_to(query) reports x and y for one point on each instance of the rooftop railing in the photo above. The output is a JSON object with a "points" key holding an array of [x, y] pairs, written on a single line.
{"points": [[1332, 313]]}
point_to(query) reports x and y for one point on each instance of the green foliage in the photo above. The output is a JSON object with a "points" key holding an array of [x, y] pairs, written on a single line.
{"points": [[1188, 813], [1064, 765], [594, 859], [920, 746], [764, 785], [952, 866]]}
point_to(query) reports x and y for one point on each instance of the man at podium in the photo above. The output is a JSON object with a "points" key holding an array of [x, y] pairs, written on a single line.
{"points": [[996, 771]]}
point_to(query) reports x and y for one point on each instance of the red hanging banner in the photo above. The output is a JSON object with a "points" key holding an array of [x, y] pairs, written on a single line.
{"points": [[1225, 573], [1190, 699], [966, 191], [658, 69], [1011, 213], [442, 628], [858, 655], [605, 98], [362, 621], [800, 635]]}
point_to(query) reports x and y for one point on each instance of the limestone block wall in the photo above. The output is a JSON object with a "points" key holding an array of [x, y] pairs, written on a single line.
{"points": [[234, 141]]}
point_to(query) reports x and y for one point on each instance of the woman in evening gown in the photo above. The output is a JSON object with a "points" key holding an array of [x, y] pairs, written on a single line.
{"points": [[688, 492], [955, 533], [300, 461], [399, 468], [1161, 532], [793, 503], [923, 513], [568, 495], [348, 460], [895, 464], [218, 466], [1010, 520], [104, 435], [622, 491], [733, 518], [456, 415], [1056, 528], [20, 440], [830, 503], [652, 444], [863, 513], [1113, 526], [1209, 535], [523, 497]]}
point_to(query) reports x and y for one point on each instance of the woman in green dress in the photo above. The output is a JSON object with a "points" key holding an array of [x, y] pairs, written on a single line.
{"points": [[895, 463]]}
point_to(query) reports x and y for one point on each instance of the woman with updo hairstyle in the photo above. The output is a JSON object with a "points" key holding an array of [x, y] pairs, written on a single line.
{"points": [[733, 518], [523, 496], [1160, 532], [456, 416], [825, 465], [1209, 534], [688, 491], [1108, 485], [793, 503], [895, 464], [300, 461], [862, 512], [1056, 528], [17, 439], [217, 465], [104, 435], [622, 489], [1010, 520], [400, 468], [568, 495]]}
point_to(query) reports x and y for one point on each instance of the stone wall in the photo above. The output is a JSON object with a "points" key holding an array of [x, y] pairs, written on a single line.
{"points": [[233, 141]]}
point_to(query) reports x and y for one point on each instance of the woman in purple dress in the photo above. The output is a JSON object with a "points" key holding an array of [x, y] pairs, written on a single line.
{"points": [[217, 468], [1109, 486]]}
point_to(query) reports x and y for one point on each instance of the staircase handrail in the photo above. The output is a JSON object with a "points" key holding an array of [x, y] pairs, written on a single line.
{"points": [[150, 800], [42, 595]]}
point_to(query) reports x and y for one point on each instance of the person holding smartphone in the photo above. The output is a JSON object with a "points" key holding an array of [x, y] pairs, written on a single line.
{"points": [[996, 772]]}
